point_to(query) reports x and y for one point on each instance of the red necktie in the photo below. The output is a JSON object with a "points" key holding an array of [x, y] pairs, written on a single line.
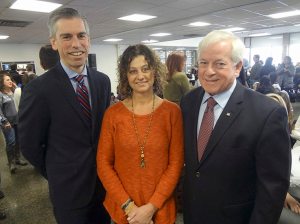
{"points": [[83, 96], [206, 127]]}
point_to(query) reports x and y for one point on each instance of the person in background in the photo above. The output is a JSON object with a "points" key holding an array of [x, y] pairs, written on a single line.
{"points": [[29, 69], [14, 74], [60, 116], [237, 170], [267, 68], [286, 73], [178, 83], [140, 153], [255, 70], [48, 57], [9, 120]]}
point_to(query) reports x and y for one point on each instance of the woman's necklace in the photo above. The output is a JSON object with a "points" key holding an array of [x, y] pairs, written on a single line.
{"points": [[142, 144]]}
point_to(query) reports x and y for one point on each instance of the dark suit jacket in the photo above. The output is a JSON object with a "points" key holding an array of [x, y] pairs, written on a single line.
{"points": [[243, 176], [57, 140]]}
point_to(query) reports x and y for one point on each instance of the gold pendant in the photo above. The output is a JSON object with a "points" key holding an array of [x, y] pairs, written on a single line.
{"points": [[142, 163]]}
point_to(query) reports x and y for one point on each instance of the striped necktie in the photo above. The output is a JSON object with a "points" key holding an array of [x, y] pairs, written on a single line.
{"points": [[83, 97], [206, 127]]}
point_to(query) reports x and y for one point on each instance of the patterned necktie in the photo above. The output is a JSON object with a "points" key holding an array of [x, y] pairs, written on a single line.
{"points": [[206, 127], [83, 96]]}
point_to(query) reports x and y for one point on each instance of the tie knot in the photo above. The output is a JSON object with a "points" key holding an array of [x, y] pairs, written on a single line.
{"points": [[211, 102], [79, 78]]}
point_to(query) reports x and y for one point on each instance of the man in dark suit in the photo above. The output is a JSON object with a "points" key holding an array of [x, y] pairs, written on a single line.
{"points": [[237, 171], [60, 119]]}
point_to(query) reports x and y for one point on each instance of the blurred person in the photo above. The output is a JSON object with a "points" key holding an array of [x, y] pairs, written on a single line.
{"points": [[230, 176], [9, 121], [286, 73], [267, 68], [14, 74], [48, 57], [60, 118], [255, 70], [2, 211], [140, 153], [178, 83], [29, 69]]}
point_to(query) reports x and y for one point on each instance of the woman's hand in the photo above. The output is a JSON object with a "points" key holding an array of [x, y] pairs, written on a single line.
{"points": [[142, 215], [292, 203]]}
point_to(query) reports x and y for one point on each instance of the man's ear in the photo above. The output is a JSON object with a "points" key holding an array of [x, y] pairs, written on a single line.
{"points": [[53, 43], [238, 68]]}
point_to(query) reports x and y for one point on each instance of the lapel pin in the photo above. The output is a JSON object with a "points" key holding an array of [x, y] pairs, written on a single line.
{"points": [[228, 114]]}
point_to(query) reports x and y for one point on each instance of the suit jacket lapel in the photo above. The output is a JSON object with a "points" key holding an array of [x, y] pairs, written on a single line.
{"points": [[93, 95], [229, 114], [68, 91]]}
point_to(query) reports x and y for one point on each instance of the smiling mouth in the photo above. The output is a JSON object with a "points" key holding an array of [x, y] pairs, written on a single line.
{"points": [[77, 53]]}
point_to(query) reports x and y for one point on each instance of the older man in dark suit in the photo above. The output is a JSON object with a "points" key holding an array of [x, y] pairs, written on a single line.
{"points": [[60, 117], [237, 149]]}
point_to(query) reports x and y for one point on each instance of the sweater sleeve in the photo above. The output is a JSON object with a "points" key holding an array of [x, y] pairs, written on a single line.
{"points": [[106, 159], [170, 177]]}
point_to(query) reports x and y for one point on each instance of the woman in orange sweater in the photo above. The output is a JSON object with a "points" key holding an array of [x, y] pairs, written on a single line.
{"points": [[140, 152]]}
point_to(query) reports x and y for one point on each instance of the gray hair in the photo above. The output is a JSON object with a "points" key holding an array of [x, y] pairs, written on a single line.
{"points": [[238, 47], [64, 13]]}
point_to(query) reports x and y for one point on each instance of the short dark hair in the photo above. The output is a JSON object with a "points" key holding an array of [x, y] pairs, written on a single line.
{"points": [[48, 57], [64, 13], [153, 61]]}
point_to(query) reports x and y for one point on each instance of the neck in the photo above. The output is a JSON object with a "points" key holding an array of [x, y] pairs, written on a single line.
{"points": [[6, 90], [139, 98]]}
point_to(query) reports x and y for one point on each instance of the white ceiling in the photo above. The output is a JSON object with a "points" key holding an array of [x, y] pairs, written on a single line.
{"points": [[172, 16]]}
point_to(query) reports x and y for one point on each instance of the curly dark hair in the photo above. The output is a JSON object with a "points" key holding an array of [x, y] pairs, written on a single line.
{"points": [[2, 75], [159, 69]]}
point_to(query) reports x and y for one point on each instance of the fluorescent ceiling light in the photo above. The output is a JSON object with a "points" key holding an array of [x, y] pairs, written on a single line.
{"points": [[149, 41], [285, 14], [156, 48], [160, 34], [276, 37], [3, 37], [199, 24], [113, 39], [233, 29], [259, 34], [137, 17], [297, 24], [36, 6]]}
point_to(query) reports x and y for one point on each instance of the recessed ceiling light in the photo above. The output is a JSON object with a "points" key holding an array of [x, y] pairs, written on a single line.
{"points": [[284, 14], [297, 24], [113, 39], [259, 34], [149, 41], [233, 29], [160, 34], [36, 6], [137, 17], [3, 37], [199, 24], [275, 37]]}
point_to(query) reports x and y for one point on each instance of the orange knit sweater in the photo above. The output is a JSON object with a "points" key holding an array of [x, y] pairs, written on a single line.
{"points": [[118, 160]]}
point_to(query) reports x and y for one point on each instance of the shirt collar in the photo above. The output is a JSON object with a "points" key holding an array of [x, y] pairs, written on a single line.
{"points": [[71, 74], [221, 98]]}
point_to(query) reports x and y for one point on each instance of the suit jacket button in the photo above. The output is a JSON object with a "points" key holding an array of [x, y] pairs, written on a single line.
{"points": [[198, 174]]}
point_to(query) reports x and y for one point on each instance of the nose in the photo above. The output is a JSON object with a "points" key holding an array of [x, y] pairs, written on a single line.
{"points": [[209, 69], [140, 74], [75, 42]]}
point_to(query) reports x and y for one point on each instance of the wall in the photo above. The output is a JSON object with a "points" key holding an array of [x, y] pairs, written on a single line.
{"points": [[106, 57]]}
